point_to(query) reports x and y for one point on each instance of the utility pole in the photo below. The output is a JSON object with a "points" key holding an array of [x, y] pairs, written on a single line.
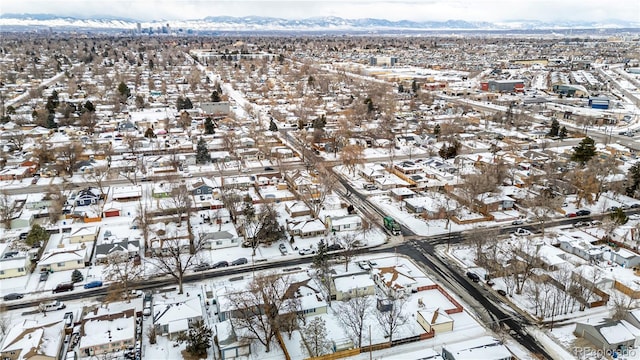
{"points": [[370, 345]]}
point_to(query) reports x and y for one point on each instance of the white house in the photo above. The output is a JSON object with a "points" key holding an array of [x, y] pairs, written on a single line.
{"points": [[172, 318], [344, 223]]}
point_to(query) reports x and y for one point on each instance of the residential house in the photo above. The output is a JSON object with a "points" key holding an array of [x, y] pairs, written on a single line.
{"points": [[395, 281], [220, 239], [437, 321], [14, 264], [345, 287], [426, 205], [297, 208], [104, 333], [305, 296], [484, 347], [608, 334], [84, 234], [371, 172], [581, 248], [33, 339], [173, 318], [343, 223], [65, 258], [126, 193], [228, 344], [85, 197], [130, 248], [15, 173], [306, 228], [489, 203], [402, 193], [201, 186], [23, 220], [625, 258]]}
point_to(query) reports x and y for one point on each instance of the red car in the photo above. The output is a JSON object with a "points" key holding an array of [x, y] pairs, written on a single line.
{"points": [[570, 215]]}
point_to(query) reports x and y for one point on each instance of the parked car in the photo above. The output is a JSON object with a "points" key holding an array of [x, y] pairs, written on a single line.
{"points": [[220, 264], [93, 284], [268, 168], [240, 261], [52, 306], [13, 296], [63, 287], [334, 247], [306, 251], [364, 265], [581, 224], [68, 319], [283, 249], [201, 267], [517, 222], [571, 215], [44, 276], [522, 232], [583, 212], [501, 292], [473, 276]]}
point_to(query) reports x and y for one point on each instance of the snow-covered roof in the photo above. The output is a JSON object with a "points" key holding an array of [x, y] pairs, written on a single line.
{"points": [[617, 333], [482, 348], [114, 327], [395, 277], [65, 254], [30, 338], [346, 283], [169, 312]]}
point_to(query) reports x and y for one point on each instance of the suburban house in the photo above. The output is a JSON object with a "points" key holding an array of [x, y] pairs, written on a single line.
{"points": [[85, 197], [103, 333], [485, 347], [14, 264], [437, 321], [425, 205], [348, 286], [229, 346], [126, 193], [401, 193], [173, 318], [220, 239], [306, 228], [201, 186], [23, 220], [624, 257], [395, 281], [65, 258], [344, 223], [30, 339], [307, 294], [297, 208], [84, 234], [130, 248], [608, 334], [161, 190], [581, 248]]}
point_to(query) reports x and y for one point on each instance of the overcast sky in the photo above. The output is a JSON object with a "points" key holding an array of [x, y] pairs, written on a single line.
{"points": [[475, 10]]}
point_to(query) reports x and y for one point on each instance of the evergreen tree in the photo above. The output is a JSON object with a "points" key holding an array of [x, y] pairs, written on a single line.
{"points": [[436, 130], [89, 106], [555, 128], [633, 180], [619, 217], [400, 88], [51, 121], [209, 126], [585, 150], [52, 102], [273, 126], [215, 96], [183, 103], [76, 276], [414, 86], [124, 92], [198, 339], [202, 153], [563, 133], [149, 134], [36, 235]]}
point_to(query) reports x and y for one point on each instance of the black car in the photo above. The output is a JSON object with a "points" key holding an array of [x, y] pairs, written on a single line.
{"points": [[583, 212], [473, 276], [13, 296], [334, 247], [501, 292], [220, 264], [240, 261], [268, 168]]}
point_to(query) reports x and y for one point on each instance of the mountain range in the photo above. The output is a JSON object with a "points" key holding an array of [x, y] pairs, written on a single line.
{"points": [[22, 22]]}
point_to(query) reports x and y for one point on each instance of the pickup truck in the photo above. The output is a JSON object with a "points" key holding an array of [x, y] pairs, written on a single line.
{"points": [[521, 232]]}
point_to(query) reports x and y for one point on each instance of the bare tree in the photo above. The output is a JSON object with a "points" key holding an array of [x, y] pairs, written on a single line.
{"points": [[349, 244], [261, 224], [258, 308], [69, 155], [353, 313], [479, 239], [143, 222], [123, 271], [315, 340], [621, 305], [352, 156], [315, 195], [98, 177], [543, 206], [393, 318], [7, 209], [182, 204], [17, 139], [173, 258]]}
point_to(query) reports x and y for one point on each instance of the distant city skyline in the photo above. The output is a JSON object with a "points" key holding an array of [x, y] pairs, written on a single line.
{"points": [[416, 10]]}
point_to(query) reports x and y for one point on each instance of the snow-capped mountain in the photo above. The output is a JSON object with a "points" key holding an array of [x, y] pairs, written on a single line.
{"points": [[21, 22]]}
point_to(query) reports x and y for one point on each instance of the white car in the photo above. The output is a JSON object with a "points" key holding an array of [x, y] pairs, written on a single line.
{"points": [[522, 232], [306, 251], [364, 265]]}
